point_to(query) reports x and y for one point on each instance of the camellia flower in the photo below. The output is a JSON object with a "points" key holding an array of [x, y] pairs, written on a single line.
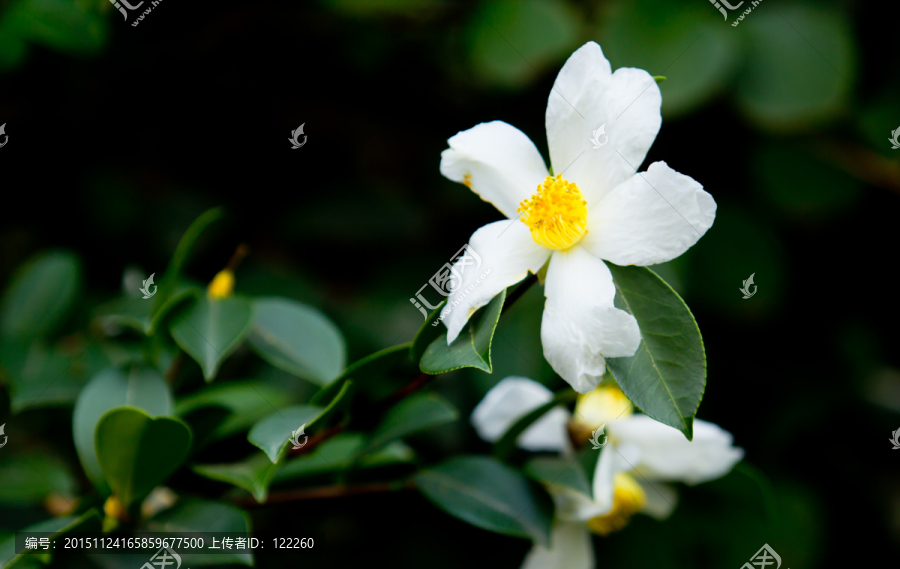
{"points": [[596, 207], [638, 454]]}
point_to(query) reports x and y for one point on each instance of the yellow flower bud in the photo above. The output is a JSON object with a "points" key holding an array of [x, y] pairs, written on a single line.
{"points": [[222, 285]]}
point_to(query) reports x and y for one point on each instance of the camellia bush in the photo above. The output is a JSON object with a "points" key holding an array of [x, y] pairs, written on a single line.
{"points": [[586, 225]]}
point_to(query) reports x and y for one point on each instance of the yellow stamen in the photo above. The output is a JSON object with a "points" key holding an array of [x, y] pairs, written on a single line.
{"points": [[602, 405], [628, 499], [114, 507], [222, 285], [467, 181], [556, 214]]}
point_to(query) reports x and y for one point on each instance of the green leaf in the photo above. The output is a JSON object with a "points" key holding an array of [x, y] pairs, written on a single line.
{"points": [[800, 69], [137, 452], [427, 334], [253, 474], [340, 402], [211, 329], [560, 471], [297, 339], [65, 26], [40, 296], [204, 516], [141, 387], [504, 447], [473, 346], [338, 453], [415, 413], [59, 526], [364, 372], [490, 495], [169, 282], [666, 377], [511, 41], [28, 478], [273, 433], [245, 403]]}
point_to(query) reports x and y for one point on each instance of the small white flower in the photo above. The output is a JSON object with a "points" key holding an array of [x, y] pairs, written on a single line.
{"points": [[596, 207], [641, 454]]}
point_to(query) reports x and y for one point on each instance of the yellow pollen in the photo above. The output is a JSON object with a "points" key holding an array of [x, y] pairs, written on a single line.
{"points": [[603, 405], [222, 285], [556, 214], [467, 181], [628, 499]]}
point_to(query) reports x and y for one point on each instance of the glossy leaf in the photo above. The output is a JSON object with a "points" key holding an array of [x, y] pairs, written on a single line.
{"points": [[189, 516], [246, 402], [40, 296], [30, 477], [427, 334], [667, 375], [297, 338], [364, 372], [137, 452], [490, 495], [210, 329], [473, 346], [273, 433], [253, 474], [507, 443], [338, 453], [415, 413], [561, 471], [140, 387]]}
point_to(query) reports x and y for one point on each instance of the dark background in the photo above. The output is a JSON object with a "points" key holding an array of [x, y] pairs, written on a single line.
{"points": [[119, 136]]}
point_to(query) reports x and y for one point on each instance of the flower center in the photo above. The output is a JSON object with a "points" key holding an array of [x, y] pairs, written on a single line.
{"points": [[556, 214], [603, 405], [628, 499]]}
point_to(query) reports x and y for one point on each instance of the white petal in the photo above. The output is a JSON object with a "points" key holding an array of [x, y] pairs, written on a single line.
{"points": [[580, 324], [587, 96], [570, 548], [571, 505], [510, 400], [667, 455], [507, 254], [661, 499], [503, 165], [653, 217]]}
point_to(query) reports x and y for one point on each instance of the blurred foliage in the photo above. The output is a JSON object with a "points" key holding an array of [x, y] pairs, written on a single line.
{"points": [[784, 119]]}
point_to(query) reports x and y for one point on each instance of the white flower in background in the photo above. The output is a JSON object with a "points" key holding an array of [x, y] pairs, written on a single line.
{"points": [[596, 207], [641, 454]]}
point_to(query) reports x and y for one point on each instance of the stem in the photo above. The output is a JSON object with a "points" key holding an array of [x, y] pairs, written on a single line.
{"points": [[336, 491], [863, 164], [238, 256], [174, 366]]}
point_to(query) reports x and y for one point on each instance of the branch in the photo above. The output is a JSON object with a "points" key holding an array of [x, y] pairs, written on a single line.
{"points": [[336, 491]]}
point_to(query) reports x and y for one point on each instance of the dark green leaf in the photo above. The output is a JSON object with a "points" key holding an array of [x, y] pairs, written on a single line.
{"points": [[210, 329], [364, 371], [340, 402], [473, 346], [247, 402], [112, 388], [427, 334], [137, 452], [297, 338], [28, 478], [253, 474], [58, 24], [338, 453], [417, 412], [504, 447], [40, 296], [667, 375], [490, 495], [205, 516], [561, 471], [273, 433]]}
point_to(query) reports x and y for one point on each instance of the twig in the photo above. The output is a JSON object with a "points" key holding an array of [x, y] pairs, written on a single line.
{"points": [[863, 164], [336, 491]]}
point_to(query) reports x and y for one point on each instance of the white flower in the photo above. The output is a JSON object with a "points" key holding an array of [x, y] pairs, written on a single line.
{"points": [[641, 453], [597, 207]]}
